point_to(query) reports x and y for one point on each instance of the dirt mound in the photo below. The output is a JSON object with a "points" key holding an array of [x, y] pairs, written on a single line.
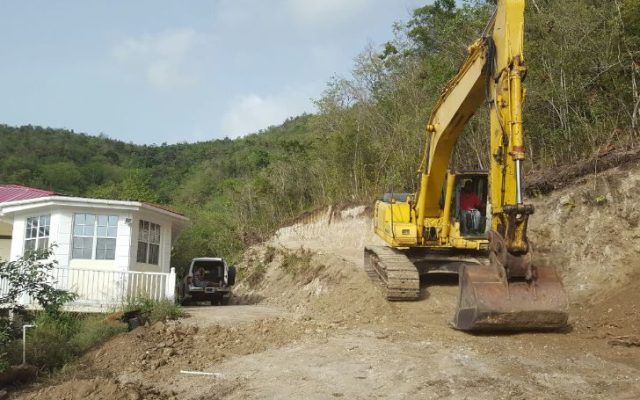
{"points": [[343, 234], [305, 282], [159, 352], [166, 346], [98, 389]]}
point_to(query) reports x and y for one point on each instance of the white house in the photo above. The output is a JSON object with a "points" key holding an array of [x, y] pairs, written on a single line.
{"points": [[105, 249]]}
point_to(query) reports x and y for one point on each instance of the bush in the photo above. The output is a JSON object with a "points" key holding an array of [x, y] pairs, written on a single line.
{"points": [[295, 262], [165, 310]]}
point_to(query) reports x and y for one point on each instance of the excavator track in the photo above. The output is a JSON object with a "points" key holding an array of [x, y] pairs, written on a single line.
{"points": [[394, 271]]}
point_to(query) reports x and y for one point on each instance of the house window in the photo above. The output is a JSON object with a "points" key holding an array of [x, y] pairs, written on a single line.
{"points": [[94, 236], [37, 233], [148, 243]]}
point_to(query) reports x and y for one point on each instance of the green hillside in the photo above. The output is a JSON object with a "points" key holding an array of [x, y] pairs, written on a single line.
{"points": [[583, 58]]}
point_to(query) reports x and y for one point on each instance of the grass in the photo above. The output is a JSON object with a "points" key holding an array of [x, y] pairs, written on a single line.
{"points": [[58, 339], [154, 310], [61, 338]]}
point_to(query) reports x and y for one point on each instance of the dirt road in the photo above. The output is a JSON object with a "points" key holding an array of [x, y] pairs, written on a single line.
{"points": [[321, 329]]}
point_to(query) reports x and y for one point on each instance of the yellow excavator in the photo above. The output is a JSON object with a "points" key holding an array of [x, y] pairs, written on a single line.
{"points": [[473, 223]]}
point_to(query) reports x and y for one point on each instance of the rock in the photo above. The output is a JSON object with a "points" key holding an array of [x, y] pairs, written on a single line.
{"points": [[158, 327], [159, 363], [567, 200], [133, 395], [168, 351]]}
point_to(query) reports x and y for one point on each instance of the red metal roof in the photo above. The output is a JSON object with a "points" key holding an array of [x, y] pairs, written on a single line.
{"points": [[19, 192]]}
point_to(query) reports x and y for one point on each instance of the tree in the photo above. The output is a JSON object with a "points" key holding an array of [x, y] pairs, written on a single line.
{"points": [[135, 186]]}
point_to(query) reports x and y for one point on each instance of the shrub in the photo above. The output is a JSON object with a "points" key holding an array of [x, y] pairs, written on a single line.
{"points": [[165, 310], [154, 310], [295, 262]]}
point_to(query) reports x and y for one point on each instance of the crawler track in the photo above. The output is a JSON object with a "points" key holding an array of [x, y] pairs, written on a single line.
{"points": [[394, 271]]}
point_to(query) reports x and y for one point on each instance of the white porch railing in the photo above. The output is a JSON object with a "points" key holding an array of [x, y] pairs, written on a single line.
{"points": [[104, 290]]}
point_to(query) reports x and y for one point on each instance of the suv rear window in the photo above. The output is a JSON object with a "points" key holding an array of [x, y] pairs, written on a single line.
{"points": [[213, 270]]}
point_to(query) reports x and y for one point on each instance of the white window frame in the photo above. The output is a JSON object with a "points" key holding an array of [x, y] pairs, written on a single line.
{"points": [[98, 232], [148, 239], [41, 230]]}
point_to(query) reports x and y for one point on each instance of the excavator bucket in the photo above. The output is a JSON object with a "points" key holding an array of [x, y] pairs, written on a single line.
{"points": [[488, 302]]}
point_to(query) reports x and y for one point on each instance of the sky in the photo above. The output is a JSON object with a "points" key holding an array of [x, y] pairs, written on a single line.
{"points": [[155, 71]]}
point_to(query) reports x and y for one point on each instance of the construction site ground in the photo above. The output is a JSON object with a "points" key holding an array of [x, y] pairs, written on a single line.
{"points": [[308, 323]]}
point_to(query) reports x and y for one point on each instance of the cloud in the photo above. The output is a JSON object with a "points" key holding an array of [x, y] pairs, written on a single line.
{"points": [[160, 58], [326, 11], [252, 112]]}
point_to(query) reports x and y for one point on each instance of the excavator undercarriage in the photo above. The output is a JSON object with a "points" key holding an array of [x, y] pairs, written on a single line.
{"points": [[487, 300]]}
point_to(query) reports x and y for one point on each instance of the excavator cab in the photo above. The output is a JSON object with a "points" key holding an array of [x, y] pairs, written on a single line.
{"points": [[469, 204]]}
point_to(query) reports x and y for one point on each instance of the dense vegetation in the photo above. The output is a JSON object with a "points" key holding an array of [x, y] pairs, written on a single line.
{"points": [[584, 64]]}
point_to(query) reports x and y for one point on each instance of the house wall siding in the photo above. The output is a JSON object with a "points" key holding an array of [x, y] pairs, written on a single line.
{"points": [[5, 249], [61, 221], [17, 239], [5, 244], [5, 229], [164, 257]]}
